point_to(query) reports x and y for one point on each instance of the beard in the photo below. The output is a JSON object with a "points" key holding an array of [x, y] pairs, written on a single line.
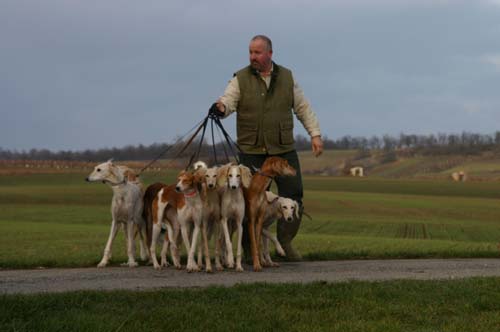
{"points": [[255, 65]]}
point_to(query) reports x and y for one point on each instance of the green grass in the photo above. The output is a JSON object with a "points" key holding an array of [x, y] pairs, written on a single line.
{"points": [[60, 220], [460, 305]]}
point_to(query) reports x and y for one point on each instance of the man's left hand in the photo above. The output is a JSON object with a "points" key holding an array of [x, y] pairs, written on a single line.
{"points": [[317, 145]]}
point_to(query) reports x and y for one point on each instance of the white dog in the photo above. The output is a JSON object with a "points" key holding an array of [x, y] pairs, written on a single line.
{"points": [[278, 207], [126, 208], [231, 180]]}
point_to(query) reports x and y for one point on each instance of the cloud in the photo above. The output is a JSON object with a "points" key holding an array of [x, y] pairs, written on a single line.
{"points": [[492, 59], [472, 108]]}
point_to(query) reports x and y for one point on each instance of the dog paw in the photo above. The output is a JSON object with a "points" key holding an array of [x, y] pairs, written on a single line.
{"points": [[102, 264], [131, 264], [192, 267], [157, 267], [257, 267], [239, 268], [219, 268], [209, 270], [280, 252]]}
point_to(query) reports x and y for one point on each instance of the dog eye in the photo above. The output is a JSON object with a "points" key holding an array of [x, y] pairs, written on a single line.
{"points": [[285, 208], [98, 169], [238, 175]]}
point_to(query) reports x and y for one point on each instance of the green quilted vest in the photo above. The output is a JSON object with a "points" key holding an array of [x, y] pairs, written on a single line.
{"points": [[264, 120]]}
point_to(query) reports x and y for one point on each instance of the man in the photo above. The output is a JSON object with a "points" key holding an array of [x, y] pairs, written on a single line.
{"points": [[263, 95]]}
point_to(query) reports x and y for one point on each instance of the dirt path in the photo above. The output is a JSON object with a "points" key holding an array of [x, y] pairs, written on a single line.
{"points": [[144, 278]]}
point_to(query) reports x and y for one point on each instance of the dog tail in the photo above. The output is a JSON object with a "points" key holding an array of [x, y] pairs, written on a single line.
{"points": [[147, 213]]}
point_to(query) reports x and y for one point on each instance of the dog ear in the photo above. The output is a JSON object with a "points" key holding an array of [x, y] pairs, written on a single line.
{"points": [[199, 175], [246, 176], [222, 175], [296, 209], [130, 176], [271, 197]]}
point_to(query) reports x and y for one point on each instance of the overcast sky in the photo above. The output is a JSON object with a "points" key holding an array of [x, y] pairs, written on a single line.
{"points": [[109, 73]]}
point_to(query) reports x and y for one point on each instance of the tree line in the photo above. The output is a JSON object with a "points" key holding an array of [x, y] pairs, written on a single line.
{"points": [[464, 143]]}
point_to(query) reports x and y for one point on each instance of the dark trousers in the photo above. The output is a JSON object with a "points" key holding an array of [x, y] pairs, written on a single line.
{"points": [[288, 186]]}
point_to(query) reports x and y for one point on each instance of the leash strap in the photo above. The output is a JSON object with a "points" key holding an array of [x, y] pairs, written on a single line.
{"points": [[214, 118]]}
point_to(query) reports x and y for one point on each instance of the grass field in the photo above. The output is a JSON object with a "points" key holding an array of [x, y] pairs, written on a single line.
{"points": [[59, 220], [461, 305]]}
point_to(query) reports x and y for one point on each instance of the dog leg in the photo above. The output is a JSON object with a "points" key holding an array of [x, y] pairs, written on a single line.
{"points": [[229, 245], [277, 244], [158, 211], [208, 264], [258, 236], [143, 244], [185, 237], [174, 250], [129, 236], [191, 265], [267, 235], [107, 250], [239, 268], [152, 249], [164, 251], [252, 220], [218, 240], [200, 256], [264, 251]]}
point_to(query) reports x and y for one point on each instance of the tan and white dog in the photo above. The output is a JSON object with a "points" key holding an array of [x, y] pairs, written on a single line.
{"points": [[278, 208], [126, 208], [231, 180], [211, 211], [180, 203]]}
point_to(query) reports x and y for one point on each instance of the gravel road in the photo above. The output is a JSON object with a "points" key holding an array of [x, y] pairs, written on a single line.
{"points": [[146, 278]]}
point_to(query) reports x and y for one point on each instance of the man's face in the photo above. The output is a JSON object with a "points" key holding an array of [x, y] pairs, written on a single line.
{"points": [[260, 55]]}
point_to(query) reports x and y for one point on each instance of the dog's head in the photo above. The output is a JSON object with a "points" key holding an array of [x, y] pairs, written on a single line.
{"points": [[289, 208], [277, 166], [234, 176], [211, 177], [188, 182], [106, 172]]}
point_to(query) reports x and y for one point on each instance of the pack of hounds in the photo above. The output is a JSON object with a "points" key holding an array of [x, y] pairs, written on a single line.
{"points": [[212, 201]]}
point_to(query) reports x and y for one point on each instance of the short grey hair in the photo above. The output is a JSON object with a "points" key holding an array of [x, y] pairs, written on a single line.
{"points": [[266, 39]]}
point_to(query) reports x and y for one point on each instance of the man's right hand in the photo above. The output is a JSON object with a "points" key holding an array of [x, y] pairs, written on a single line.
{"points": [[221, 107], [215, 110]]}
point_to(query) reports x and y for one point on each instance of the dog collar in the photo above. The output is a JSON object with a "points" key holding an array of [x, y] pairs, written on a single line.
{"points": [[191, 194], [258, 171], [266, 175], [114, 184]]}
